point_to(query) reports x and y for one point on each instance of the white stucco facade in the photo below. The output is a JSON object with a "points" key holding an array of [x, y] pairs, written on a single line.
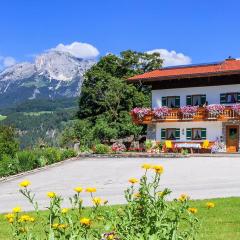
{"points": [[213, 129], [212, 93]]}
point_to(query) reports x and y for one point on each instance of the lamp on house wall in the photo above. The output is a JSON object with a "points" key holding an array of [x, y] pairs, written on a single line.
{"points": [[183, 131]]}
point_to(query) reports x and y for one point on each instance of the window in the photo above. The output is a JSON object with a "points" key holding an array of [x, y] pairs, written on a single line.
{"points": [[196, 100], [171, 101], [230, 98], [196, 133], [170, 133]]}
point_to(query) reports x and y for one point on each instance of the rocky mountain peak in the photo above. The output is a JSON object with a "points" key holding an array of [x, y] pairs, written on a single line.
{"points": [[53, 74]]}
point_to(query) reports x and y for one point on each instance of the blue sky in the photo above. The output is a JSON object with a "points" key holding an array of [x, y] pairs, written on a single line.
{"points": [[205, 31]]}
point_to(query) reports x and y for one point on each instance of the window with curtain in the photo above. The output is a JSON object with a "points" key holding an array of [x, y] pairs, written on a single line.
{"points": [[196, 100], [230, 98], [197, 134], [171, 134], [171, 102]]}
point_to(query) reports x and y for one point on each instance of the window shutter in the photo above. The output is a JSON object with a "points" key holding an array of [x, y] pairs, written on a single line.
{"points": [[189, 134], [222, 98], [204, 133], [238, 97], [203, 99], [177, 101], [163, 133], [189, 100], [177, 133], [164, 101]]}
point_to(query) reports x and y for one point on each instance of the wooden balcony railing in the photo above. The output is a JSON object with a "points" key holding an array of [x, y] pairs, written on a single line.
{"points": [[175, 115]]}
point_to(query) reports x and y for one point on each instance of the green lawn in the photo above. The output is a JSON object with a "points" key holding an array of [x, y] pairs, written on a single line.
{"points": [[219, 223], [2, 117]]}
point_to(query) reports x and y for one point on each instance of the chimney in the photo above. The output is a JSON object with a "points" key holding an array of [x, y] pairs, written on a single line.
{"points": [[230, 58]]}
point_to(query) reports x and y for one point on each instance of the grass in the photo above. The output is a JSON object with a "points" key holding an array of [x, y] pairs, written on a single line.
{"points": [[2, 117], [219, 223]]}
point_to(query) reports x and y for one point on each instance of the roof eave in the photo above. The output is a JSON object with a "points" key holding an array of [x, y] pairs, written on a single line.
{"points": [[184, 76]]}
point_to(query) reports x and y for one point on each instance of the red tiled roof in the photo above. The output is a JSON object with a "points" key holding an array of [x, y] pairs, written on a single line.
{"points": [[228, 66]]}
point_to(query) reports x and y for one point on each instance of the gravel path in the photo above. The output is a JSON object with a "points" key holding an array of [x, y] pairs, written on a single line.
{"points": [[200, 177]]}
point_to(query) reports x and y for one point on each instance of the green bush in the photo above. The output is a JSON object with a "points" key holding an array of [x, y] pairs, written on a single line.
{"points": [[52, 154], [68, 153], [8, 166], [30, 159], [27, 160], [8, 143], [101, 149], [85, 149]]}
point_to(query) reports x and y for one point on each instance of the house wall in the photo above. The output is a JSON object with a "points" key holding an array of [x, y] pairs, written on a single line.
{"points": [[214, 129], [212, 93]]}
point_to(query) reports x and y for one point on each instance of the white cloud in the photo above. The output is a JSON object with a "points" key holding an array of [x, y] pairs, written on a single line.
{"points": [[78, 49], [7, 61], [172, 58]]}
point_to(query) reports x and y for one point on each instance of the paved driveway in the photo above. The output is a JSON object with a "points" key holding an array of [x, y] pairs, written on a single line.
{"points": [[200, 177]]}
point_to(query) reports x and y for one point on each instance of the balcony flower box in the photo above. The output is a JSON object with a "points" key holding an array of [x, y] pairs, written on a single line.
{"points": [[236, 108], [215, 110], [141, 114], [189, 112], [161, 112]]}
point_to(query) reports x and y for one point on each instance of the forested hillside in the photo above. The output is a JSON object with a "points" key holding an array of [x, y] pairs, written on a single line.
{"points": [[39, 121]]}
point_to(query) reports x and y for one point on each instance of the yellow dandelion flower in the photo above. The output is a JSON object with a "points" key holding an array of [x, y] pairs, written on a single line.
{"points": [[64, 210], [23, 230], [161, 194], [51, 194], [91, 190], [24, 218], [97, 201], [111, 236], [133, 180], [158, 169], [62, 226], [10, 220], [24, 183], [17, 209], [137, 195], [78, 189], [192, 210], [9, 215], [210, 205], [55, 225], [85, 221], [31, 219], [146, 166], [183, 197]]}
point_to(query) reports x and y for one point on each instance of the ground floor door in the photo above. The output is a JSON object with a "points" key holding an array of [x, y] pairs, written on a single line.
{"points": [[232, 138]]}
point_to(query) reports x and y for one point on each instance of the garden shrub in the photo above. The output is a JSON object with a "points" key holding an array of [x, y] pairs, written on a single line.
{"points": [[8, 166], [146, 216], [68, 153], [85, 149], [30, 159], [101, 149], [27, 160], [52, 154]]}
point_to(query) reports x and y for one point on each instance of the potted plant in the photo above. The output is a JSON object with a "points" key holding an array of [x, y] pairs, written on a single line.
{"points": [[140, 113], [148, 145], [215, 110], [189, 111], [236, 108], [160, 112]]}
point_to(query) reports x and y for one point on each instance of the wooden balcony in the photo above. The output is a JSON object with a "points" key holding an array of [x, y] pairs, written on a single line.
{"points": [[175, 115]]}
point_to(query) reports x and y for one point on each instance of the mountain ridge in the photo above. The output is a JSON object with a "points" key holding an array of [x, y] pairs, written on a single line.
{"points": [[52, 75]]}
